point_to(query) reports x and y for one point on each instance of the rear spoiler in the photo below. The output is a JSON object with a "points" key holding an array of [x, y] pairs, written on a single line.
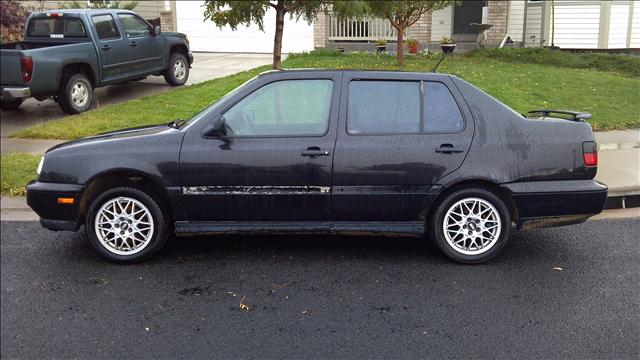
{"points": [[574, 116]]}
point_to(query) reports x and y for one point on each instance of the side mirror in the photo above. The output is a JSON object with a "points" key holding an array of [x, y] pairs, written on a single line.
{"points": [[218, 128], [156, 30]]}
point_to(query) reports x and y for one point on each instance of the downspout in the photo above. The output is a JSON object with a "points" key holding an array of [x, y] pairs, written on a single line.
{"points": [[524, 26]]}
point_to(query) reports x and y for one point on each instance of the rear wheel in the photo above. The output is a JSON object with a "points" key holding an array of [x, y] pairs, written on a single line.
{"points": [[126, 225], [76, 94], [10, 104], [470, 225], [178, 71]]}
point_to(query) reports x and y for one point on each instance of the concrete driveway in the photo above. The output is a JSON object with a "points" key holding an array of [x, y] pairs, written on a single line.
{"points": [[206, 66]]}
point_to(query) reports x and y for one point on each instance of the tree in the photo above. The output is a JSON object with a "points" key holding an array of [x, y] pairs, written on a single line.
{"points": [[234, 13], [13, 16], [98, 4], [400, 13]]}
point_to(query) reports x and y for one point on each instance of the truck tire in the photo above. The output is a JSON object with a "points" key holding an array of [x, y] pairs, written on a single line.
{"points": [[75, 94], [10, 104], [178, 71]]}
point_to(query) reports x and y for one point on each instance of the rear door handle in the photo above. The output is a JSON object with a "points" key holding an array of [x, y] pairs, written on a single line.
{"points": [[106, 47], [133, 43], [448, 149], [314, 151]]}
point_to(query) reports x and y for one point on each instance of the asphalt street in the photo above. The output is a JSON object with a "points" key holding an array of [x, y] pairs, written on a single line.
{"points": [[568, 292]]}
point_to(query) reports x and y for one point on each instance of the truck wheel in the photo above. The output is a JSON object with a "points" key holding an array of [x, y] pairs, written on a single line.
{"points": [[178, 71], [470, 225], [76, 94], [126, 225], [10, 104]]}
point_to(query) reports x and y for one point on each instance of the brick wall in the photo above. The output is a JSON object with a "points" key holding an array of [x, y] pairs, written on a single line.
{"points": [[166, 21], [497, 14], [320, 30], [421, 30]]}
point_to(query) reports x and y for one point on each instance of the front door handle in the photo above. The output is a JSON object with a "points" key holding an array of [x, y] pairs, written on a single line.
{"points": [[448, 149], [133, 43], [314, 151], [106, 47]]}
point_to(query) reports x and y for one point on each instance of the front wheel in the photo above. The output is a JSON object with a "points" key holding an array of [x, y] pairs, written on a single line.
{"points": [[126, 225], [470, 225], [10, 104], [178, 71]]}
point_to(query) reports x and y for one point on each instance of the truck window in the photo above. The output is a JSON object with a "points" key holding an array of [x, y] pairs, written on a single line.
{"points": [[56, 28], [106, 27], [441, 112], [383, 107], [134, 26]]}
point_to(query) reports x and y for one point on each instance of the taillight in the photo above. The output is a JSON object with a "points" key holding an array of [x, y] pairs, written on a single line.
{"points": [[590, 153], [26, 67]]}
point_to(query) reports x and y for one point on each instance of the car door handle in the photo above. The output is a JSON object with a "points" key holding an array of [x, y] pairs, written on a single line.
{"points": [[106, 47], [314, 151], [448, 149], [133, 43]]}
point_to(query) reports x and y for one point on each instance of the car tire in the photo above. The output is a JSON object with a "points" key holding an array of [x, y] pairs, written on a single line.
{"points": [[126, 225], [178, 71], [76, 94], [10, 104], [470, 225]]}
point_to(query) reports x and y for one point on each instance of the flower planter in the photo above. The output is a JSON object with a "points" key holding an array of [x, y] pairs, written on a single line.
{"points": [[381, 48], [413, 48], [448, 48]]}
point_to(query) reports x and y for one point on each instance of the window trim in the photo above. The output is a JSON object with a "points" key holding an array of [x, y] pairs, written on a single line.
{"points": [[326, 131], [137, 16], [422, 93], [114, 22]]}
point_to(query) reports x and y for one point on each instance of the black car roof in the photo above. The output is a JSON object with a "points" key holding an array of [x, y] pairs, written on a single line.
{"points": [[391, 73]]}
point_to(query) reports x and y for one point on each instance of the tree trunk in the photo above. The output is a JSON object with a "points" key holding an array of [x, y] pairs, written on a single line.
{"points": [[400, 53], [277, 41]]}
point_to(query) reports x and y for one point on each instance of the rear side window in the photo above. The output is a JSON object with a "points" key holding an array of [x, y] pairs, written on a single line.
{"points": [[134, 26], [441, 112], [106, 27], [56, 28], [383, 107]]}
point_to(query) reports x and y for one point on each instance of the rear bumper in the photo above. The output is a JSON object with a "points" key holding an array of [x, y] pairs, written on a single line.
{"points": [[556, 203], [43, 199], [14, 92]]}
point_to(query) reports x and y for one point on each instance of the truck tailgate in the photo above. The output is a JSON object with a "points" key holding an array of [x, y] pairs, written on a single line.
{"points": [[10, 65]]}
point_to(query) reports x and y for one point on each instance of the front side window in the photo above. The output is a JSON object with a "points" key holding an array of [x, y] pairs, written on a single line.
{"points": [[441, 112], [283, 108], [56, 28], [383, 107], [106, 27], [134, 26]]}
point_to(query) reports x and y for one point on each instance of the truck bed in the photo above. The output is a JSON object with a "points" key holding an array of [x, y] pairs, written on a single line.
{"points": [[29, 45]]}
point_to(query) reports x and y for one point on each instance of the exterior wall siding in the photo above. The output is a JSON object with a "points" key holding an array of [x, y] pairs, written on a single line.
{"points": [[576, 25], [441, 24], [149, 9], [515, 21], [618, 25], [534, 24], [635, 26]]}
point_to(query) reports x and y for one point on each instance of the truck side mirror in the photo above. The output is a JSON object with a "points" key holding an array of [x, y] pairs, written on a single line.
{"points": [[156, 30]]}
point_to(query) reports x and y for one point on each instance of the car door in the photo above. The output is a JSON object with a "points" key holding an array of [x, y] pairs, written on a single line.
{"points": [[397, 137], [113, 48], [146, 47], [275, 162]]}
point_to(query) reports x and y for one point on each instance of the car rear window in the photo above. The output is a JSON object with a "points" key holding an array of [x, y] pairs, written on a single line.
{"points": [[383, 107], [106, 27], [56, 28], [441, 112]]}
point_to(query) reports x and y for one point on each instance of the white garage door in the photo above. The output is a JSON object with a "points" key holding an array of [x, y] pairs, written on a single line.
{"points": [[206, 36]]}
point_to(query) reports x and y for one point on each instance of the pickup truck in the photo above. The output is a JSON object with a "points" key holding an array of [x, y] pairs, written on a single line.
{"points": [[66, 54]]}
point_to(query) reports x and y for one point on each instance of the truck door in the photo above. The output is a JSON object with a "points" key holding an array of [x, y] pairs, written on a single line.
{"points": [[146, 55], [113, 48]]}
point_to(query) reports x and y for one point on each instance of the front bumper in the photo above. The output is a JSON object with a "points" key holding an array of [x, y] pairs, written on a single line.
{"points": [[14, 92], [43, 199], [190, 58], [556, 203]]}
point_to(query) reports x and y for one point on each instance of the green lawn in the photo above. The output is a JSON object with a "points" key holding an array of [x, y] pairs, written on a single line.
{"points": [[17, 169], [517, 78]]}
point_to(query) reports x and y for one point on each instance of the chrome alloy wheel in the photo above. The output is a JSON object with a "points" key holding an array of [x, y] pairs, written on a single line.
{"points": [[124, 226], [472, 226], [79, 94], [179, 69]]}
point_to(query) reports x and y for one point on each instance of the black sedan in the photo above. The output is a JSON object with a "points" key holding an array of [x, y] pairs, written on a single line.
{"points": [[337, 152]]}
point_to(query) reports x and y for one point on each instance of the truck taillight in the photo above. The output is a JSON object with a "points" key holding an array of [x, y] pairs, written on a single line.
{"points": [[26, 67], [590, 153]]}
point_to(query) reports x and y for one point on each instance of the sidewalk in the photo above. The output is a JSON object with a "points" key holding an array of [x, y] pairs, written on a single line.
{"points": [[618, 166]]}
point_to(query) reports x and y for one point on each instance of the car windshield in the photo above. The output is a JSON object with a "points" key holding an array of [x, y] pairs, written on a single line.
{"points": [[56, 28]]}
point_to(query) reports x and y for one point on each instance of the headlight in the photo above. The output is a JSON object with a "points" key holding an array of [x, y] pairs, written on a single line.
{"points": [[39, 169]]}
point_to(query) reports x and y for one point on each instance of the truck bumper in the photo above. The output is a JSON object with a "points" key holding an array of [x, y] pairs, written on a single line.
{"points": [[555, 203], [55, 215], [14, 92], [190, 58]]}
